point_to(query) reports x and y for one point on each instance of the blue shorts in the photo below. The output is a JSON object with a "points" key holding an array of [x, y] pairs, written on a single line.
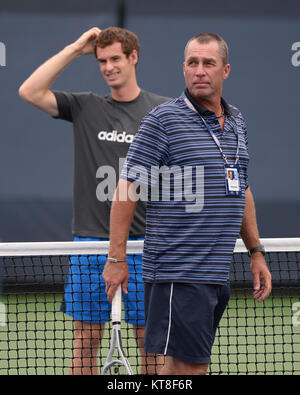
{"points": [[85, 299], [181, 319]]}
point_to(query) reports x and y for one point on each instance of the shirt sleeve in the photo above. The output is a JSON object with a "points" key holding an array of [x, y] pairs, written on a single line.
{"points": [[147, 153], [68, 104]]}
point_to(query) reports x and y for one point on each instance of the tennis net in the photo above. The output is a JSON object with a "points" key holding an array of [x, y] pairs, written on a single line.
{"points": [[37, 337]]}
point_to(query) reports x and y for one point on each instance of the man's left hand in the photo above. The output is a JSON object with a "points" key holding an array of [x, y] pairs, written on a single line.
{"points": [[262, 278]]}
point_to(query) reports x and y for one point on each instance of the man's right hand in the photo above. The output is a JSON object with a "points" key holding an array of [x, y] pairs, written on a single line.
{"points": [[83, 44]]}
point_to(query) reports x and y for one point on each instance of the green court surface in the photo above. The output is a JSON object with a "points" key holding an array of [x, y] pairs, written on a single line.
{"points": [[253, 338]]}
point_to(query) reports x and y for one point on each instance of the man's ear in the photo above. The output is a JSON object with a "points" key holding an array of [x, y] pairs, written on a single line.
{"points": [[226, 71], [183, 67], [134, 57]]}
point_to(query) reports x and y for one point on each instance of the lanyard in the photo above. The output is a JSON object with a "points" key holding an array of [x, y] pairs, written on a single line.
{"points": [[215, 138]]}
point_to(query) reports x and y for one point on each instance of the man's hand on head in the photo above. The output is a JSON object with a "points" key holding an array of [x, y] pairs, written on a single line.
{"points": [[83, 45]]}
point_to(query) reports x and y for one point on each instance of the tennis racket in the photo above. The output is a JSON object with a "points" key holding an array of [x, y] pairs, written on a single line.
{"points": [[120, 365]]}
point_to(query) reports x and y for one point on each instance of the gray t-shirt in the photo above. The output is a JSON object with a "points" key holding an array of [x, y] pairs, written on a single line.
{"points": [[103, 130]]}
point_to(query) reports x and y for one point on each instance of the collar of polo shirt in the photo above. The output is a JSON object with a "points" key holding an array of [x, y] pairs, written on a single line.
{"points": [[204, 111]]}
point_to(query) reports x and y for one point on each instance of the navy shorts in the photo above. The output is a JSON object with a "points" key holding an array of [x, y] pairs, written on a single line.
{"points": [[181, 319], [85, 298]]}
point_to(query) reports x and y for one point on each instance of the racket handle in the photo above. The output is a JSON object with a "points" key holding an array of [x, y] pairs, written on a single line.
{"points": [[116, 306]]}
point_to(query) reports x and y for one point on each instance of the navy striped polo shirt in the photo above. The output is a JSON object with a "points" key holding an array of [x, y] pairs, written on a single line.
{"points": [[191, 224]]}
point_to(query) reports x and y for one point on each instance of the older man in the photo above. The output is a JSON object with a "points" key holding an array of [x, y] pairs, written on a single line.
{"points": [[189, 246]]}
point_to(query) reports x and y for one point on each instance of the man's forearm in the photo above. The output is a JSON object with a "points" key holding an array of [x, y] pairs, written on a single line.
{"points": [[42, 78], [35, 89], [122, 211], [121, 216], [249, 231], [262, 278]]}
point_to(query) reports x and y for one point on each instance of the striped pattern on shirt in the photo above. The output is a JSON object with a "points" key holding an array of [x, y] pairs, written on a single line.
{"points": [[182, 244]]}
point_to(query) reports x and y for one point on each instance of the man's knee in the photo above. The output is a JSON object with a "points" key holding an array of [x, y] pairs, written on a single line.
{"points": [[88, 333]]}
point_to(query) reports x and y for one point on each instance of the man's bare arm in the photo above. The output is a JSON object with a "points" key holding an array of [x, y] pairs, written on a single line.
{"points": [[121, 215], [36, 89], [262, 279]]}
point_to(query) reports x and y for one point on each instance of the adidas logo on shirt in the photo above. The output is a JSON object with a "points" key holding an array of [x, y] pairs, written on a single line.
{"points": [[114, 136]]}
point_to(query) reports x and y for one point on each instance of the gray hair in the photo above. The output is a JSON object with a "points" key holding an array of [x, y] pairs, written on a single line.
{"points": [[205, 38]]}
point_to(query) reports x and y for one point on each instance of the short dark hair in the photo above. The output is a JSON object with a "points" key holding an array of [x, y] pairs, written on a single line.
{"points": [[205, 38], [110, 35]]}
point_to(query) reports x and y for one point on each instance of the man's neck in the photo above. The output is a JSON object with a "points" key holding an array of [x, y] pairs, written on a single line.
{"points": [[213, 104], [214, 107], [126, 93]]}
